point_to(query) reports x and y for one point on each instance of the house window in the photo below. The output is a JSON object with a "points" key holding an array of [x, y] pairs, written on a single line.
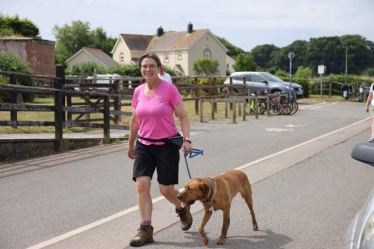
{"points": [[207, 53], [166, 56], [179, 55], [227, 66], [121, 58]]}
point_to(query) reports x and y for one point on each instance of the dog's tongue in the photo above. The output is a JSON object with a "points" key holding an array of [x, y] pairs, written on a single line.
{"points": [[184, 204]]}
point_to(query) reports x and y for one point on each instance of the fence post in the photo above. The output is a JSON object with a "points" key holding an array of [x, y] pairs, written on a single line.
{"points": [[196, 82], [58, 121], [330, 88], [13, 100], [60, 84], [117, 101], [106, 120]]}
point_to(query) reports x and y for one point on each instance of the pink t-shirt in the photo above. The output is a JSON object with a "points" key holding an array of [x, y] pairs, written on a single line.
{"points": [[155, 114]]}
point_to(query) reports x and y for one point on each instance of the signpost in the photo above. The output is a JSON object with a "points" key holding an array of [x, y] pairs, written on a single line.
{"points": [[321, 71], [291, 55]]}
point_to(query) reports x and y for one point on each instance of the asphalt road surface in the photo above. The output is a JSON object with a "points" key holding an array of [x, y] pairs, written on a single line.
{"points": [[306, 187]]}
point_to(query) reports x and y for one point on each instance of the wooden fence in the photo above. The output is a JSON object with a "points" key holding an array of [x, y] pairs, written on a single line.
{"points": [[63, 89]]}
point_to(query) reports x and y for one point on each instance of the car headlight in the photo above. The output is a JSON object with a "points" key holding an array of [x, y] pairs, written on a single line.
{"points": [[367, 236]]}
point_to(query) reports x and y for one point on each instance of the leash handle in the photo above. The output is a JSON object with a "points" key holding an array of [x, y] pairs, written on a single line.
{"points": [[193, 153]]}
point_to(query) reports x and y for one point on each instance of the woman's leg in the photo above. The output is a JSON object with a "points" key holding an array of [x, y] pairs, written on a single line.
{"points": [[170, 193], [143, 187]]}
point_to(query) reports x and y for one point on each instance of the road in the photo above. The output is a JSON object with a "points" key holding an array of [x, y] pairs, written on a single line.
{"points": [[306, 187]]}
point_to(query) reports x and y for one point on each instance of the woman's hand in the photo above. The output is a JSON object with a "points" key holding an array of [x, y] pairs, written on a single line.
{"points": [[131, 153]]}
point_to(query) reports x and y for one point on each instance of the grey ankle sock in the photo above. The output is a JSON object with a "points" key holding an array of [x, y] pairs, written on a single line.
{"points": [[146, 222]]}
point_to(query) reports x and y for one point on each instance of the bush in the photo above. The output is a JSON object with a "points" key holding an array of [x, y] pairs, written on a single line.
{"points": [[126, 70], [13, 63], [85, 69], [369, 71]]}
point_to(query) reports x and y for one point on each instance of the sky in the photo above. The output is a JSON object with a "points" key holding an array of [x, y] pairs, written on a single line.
{"points": [[244, 23]]}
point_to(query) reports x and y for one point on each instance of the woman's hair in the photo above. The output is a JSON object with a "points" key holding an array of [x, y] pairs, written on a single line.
{"points": [[152, 56]]}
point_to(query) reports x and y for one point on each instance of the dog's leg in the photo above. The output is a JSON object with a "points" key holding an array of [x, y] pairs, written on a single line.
{"points": [[246, 193], [207, 215], [225, 226]]}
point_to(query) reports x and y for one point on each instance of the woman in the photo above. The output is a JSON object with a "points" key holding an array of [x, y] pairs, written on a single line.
{"points": [[154, 103]]}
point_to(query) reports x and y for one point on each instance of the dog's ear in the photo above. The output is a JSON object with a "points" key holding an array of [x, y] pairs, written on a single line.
{"points": [[204, 189]]}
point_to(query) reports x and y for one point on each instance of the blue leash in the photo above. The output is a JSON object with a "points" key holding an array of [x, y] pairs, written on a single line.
{"points": [[191, 153]]}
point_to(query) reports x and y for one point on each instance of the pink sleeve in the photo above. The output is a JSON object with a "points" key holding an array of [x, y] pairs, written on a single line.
{"points": [[175, 96]]}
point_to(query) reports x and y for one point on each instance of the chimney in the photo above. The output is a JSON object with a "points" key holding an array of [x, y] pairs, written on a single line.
{"points": [[189, 28], [160, 31]]}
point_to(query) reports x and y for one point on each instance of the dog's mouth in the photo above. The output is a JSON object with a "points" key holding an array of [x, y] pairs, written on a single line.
{"points": [[185, 204]]}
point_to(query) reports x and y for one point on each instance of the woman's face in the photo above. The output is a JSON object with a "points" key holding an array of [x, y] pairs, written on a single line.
{"points": [[149, 68]]}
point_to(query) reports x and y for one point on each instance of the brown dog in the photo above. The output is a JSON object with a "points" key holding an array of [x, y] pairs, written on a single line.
{"points": [[216, 194]]}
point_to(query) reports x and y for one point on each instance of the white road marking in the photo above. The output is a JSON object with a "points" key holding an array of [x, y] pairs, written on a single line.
{"points": [[135, 208], [317, 107], [278, 129]]}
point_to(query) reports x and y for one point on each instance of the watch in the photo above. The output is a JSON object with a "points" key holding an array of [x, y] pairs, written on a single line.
{"points": [[187, 139]]}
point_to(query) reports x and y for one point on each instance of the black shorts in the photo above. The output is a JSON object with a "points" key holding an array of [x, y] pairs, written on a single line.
{"points": [[164, 158]]}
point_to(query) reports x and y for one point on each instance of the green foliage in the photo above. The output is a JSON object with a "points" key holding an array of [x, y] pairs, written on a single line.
{"points": [[86, 69], [205, 66], [13, 63], [244, 62], [369, 71], [262, 54], [281, 74], [72, 38], [169, 71], [233, 51], [17, 26], [125, 70], [303, 72], [304, 83]]}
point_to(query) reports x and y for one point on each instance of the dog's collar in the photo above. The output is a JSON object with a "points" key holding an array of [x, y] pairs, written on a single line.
{"points": [[211, 192]]}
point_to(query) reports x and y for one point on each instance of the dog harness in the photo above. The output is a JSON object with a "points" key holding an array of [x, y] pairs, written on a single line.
{"points": [[211, 191]]}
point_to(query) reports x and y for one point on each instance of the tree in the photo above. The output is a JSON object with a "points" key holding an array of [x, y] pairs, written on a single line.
{"points": [[17, 26], [244, 62], [359, 53], [205, 66], [326, 51], [73, 37], [280, 60], [262, 54], [233, 51]]}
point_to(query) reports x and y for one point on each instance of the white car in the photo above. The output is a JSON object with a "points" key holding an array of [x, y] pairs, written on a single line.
{"points": [[360, 234]]}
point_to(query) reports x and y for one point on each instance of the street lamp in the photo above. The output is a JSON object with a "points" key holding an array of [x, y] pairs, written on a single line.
{"points": [[291, 55]]}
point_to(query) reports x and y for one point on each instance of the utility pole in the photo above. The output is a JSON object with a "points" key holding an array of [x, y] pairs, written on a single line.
{"points": [[346, 61]]}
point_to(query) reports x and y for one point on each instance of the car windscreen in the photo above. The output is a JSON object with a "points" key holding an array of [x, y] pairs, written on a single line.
{"points": [[271, 77]]}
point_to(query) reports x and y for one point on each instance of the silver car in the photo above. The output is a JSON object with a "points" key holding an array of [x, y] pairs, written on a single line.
{"points": [[360, 234], [263, 81]]}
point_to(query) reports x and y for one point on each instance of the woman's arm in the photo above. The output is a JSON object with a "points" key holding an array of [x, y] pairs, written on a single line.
{"points": [[181, 113], [133, 135]]}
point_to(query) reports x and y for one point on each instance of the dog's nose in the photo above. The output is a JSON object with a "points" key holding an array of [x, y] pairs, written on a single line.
{"points": [[179, 197]]}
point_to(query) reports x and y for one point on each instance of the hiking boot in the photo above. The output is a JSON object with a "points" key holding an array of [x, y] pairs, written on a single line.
{"points": [[145, 235], [186, 218]]}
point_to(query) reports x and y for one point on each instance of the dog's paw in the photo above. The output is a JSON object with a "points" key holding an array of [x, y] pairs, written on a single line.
{"points": [[255, 227], [205, 241], [221, 241]]}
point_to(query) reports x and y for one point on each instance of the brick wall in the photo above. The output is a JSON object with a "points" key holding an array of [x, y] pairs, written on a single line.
{"points": [[39, 54]]}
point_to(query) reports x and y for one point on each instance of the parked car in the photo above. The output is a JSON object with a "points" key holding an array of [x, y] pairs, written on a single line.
{"points": [[263, 81], [360, 234]]}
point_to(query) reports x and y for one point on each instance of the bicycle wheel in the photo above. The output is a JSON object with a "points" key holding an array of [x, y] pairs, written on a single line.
{"points": [[274, 109], [286, 108], [261, 108], [295, 107]]}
